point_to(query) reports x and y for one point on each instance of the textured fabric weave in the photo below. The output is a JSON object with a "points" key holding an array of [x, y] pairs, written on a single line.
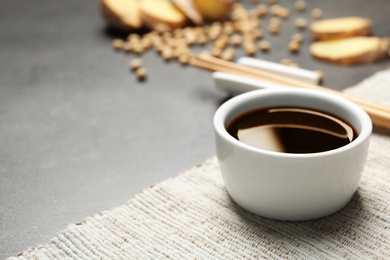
{"points": [[192, 217]]}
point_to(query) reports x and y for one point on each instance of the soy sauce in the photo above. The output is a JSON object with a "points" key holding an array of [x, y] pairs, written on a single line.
{"points": [[292, 130]]}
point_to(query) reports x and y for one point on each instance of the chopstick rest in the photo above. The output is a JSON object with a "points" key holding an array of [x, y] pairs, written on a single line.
{"points": [[299, 74], [235, 84]]}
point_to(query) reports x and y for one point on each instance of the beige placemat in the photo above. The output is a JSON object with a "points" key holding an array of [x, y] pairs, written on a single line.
{"points": [[192, 217]]}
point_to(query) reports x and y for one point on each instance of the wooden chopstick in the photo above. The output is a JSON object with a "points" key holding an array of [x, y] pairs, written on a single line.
{"points": [[379, 113]]}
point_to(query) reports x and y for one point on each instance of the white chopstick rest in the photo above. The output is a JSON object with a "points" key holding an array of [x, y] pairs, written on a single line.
{"points": [[300, 74], [235, 84]]}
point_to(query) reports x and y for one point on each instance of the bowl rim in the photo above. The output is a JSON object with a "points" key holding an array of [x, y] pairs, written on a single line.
{"points": [[230, 105]]}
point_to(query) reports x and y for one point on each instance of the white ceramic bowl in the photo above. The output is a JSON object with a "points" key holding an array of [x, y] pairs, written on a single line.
{"points": [[290, 186]]}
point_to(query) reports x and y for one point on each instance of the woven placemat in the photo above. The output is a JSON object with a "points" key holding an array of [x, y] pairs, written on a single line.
{"points": [[192, 217]]}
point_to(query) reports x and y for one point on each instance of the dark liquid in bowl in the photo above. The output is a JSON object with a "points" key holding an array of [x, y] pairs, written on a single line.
{"points": [[292, 130]]}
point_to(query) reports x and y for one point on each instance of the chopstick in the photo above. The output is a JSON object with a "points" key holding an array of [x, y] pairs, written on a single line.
{"points": [[379, 113]]}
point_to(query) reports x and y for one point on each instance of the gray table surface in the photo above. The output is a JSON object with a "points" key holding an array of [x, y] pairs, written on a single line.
{"points": [[79, 134]]}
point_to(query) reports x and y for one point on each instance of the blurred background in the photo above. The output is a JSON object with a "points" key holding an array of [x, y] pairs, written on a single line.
{"points": [[80, 134]]}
